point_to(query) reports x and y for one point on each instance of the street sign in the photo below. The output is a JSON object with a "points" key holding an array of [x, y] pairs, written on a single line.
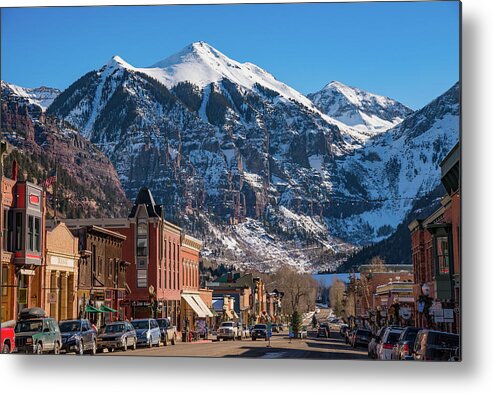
{"points": [[52, 297]]}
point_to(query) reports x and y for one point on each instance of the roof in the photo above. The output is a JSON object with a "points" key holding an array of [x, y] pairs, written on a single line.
{"points": [[145, 197]]}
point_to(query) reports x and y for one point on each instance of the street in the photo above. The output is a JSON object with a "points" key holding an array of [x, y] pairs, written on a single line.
{"points": [[310, 348]]}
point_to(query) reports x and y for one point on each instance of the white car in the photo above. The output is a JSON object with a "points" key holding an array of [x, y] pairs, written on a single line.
{"points": [[228, 331], [389, 339]]}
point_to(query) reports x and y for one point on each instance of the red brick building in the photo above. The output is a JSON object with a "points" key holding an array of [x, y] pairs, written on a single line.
{"points": [[22, 219], [163, 261], [436, 255]]}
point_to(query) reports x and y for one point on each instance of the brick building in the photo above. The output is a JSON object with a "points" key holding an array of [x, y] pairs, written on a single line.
{"points": [[435, 243], [22, 219]]}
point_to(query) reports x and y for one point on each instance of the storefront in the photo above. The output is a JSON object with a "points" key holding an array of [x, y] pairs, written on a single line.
{"points": [[196, 317]]}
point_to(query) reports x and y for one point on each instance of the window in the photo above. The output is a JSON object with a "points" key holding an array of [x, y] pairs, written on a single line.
{"points": [[142, 229], [442, 255], [5, 229], [141, 278], [18, 231], [5, 280], [110, 267], [37, 234], [30, 233], [141, 264], [141, 247], [100, 265]]}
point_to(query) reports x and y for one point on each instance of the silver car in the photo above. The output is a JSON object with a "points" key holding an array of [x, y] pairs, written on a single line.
{"points": [[148, 332]]}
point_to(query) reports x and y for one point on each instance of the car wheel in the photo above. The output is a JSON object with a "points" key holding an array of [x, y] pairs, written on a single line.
{"points": [[56, 351], [165, 341], [39, 349], [80, 349], [6, 348], [253, 338], [94, 348]]}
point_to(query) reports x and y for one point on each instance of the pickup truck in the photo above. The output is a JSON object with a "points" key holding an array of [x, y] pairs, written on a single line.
{"points": [[7, 337], [228, 331], [168, 331]]}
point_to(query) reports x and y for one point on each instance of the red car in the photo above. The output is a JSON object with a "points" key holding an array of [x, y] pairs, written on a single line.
{"points": [[7, 337]]}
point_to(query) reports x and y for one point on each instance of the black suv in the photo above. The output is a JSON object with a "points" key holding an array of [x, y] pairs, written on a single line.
{"points": [[78, 336], [35, 333], [437, 346], [259, 331]]}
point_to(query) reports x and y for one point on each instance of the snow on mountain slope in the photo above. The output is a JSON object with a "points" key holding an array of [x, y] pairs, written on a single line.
{"points": [[42, 96], [393, 170], [368, 113]]}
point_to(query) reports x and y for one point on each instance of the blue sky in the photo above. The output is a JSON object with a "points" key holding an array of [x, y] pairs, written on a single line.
{"points": [[407, 51]]}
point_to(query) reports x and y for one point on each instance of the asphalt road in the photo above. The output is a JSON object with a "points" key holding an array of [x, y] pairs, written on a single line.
{"points": [[310, 348]]}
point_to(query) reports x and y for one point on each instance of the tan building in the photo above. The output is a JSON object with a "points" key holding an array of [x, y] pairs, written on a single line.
{"points": [[56, 282]]}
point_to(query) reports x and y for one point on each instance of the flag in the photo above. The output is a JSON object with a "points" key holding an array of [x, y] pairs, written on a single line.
{"points": [[50, 180]]}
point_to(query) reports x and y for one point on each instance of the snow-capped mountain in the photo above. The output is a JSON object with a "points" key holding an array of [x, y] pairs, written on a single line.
{"points": [[234, 154], [368, 113], [378, 184], [41, 96]]}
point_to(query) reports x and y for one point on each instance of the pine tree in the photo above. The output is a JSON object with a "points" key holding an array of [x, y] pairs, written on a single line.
{"points": [[314, 321], [296, 323]]}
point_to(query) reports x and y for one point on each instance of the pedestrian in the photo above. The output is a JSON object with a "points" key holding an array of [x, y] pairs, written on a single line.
{"points": [[290, 333]]}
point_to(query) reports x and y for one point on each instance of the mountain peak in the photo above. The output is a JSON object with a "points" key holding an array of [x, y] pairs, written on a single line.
{"points": [[368, 112], [117, 62]]}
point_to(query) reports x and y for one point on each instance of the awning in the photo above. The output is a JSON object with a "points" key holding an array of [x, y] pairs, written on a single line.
{"points": [[93, 309], [197, 304], [107, 309]]}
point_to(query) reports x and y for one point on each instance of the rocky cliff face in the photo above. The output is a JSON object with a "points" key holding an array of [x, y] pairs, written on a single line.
{"points": [[88, 185], [262, 173]]}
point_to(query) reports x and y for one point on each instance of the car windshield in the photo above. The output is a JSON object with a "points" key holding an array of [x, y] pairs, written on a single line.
{"points": [[141, 324], [29, 326], [116, 328], [260, 327], [411, 335], [393, 337], [70, 326], [227, 324], [163, 323]]}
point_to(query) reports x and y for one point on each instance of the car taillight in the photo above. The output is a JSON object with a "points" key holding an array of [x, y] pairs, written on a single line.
{"points": [[388, 346], [405, 347]]}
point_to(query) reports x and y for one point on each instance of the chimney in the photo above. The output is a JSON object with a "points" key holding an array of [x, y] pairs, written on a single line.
{"points": [[15, 169]]}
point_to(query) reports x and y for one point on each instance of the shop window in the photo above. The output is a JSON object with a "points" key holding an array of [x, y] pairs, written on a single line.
{"points": [[443, 255], [141, 278]]}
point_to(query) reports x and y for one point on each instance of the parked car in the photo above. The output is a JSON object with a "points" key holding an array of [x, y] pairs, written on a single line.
{"points": [[7, 337], [323, 330], [437, 346], [148, 332], [78, 336], [375, 342], [389, 339], [259, 331], [117, 335], [35, 333], [275, 328], [228, 330], [361, 337], [168, 331], [404, 348]]}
